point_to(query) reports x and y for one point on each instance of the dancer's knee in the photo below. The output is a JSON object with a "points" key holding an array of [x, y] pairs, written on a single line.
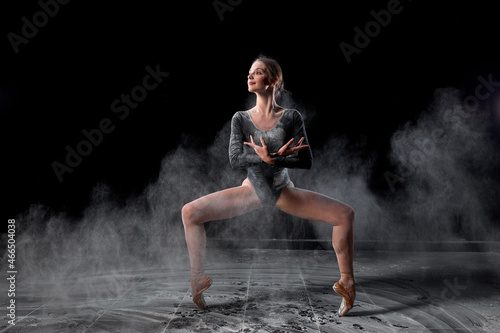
{"points": [[189, 214], [348, 215]]}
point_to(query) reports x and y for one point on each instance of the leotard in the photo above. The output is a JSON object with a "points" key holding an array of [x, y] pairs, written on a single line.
{"points": [[268, 180]]}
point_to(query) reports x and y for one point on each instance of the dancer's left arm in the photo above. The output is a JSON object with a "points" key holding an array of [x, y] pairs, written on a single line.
{"points": [[300, 155]]}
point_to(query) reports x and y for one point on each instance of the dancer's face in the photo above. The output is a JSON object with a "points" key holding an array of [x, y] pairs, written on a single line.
{"points": [[258, 80]]}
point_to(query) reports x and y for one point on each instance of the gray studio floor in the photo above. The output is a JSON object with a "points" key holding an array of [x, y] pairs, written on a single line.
{"points": [[274, 291]]}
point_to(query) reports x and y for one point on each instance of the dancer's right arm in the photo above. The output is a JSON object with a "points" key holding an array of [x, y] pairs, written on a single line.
{"points": [[238, 158]]}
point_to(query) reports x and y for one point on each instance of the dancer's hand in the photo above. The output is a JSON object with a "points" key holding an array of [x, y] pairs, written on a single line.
{"points": [[286, 150], [261, 150]]}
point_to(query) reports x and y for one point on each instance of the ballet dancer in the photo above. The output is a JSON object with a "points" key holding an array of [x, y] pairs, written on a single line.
{"points": [[266, 140]]}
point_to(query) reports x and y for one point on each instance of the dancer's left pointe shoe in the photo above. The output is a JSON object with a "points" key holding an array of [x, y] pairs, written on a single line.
{"points": [[348, 296], [198, 288]]}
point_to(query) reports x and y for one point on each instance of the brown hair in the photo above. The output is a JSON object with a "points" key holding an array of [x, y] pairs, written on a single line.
{"points": [[275, 73]]}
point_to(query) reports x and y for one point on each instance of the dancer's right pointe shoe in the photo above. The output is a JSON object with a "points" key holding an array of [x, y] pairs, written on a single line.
{"points": [[348, 296], [198, 288]]}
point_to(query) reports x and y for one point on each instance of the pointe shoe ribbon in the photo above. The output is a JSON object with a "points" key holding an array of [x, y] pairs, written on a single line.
{"points": [[347, 301], [198, 296]]}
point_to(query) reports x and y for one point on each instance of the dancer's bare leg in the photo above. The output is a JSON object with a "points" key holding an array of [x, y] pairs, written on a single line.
{"points": [[216, 206], [314, 206]]}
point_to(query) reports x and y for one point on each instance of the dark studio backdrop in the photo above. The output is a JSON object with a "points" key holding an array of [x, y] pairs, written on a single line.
{"points": [[102, 102]]}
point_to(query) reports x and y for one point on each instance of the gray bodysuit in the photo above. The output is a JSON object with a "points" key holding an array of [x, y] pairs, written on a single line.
{"points": [[268, 180]]}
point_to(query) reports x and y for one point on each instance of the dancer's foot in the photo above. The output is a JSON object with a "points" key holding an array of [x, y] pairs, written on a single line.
{"points": [[198, 286], [347, 290]]}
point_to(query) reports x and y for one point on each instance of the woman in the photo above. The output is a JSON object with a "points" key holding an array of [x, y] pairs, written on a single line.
{"points": [[266, 140]]}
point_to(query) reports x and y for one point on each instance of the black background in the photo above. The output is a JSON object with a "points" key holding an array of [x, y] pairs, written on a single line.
{"points": [[66, 77]]}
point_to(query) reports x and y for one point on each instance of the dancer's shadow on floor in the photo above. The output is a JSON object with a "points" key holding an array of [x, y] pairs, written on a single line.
{"points": [[390, 295]]}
